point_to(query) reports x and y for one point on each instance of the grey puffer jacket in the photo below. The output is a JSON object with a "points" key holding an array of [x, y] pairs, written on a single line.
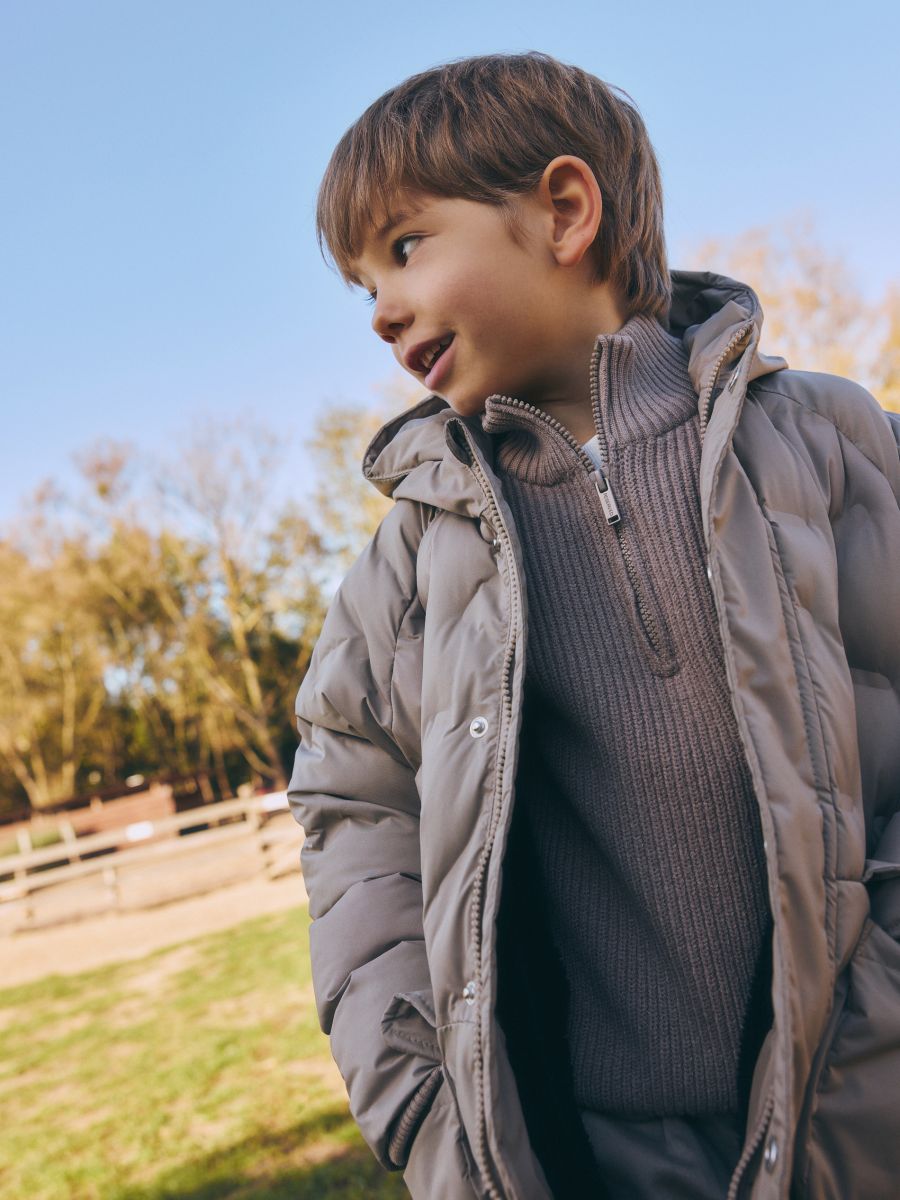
{"points": [[409, 720]]}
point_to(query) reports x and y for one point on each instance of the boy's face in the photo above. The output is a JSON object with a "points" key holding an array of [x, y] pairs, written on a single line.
{"points": [[451, 272]]}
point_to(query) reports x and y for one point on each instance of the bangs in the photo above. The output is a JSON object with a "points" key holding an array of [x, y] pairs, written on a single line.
{"points": [[406, 145]]}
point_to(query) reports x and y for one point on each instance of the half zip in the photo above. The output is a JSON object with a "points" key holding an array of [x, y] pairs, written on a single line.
{"points": [[651, 628], [598, 476], [658, 644]]}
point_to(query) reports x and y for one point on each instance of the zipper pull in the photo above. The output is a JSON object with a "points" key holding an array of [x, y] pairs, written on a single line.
{"points": [[607, 499]]}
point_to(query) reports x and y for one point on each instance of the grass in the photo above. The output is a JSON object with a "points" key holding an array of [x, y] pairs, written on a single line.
{"points": [[197, 1072], [39, 839]]}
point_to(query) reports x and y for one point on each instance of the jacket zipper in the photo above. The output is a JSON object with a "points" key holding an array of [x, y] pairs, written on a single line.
{"points": [[751, 1148], [739, 337], [477, 911]]}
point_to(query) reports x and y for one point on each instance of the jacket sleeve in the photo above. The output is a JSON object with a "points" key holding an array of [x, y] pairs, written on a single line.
{"points": [[867, 544], [353, 789]]}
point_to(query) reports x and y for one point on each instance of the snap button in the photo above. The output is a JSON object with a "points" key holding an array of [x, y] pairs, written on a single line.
{"points": [[770, 1158], [469, 992], [478, 727], [487, 531]]}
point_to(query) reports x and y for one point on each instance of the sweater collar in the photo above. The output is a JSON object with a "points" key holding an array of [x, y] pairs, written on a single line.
{"points": [[640, 387]]}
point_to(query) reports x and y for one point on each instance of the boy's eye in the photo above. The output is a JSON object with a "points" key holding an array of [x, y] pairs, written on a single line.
{"points": [[400, 253], [410, 237]]}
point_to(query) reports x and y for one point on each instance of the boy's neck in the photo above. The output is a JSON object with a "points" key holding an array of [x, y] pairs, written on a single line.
{"points": [[576, 415], [572, 405], [642, 388]]}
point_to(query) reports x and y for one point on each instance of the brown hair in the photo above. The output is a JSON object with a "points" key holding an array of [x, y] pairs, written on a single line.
{"points": [[484, 128]]}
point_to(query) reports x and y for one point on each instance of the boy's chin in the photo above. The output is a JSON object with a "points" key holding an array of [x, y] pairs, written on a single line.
{"points": [[464, 406]]}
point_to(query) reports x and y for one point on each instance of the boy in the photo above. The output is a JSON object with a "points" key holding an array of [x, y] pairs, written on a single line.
{"points": [[599, 764]]}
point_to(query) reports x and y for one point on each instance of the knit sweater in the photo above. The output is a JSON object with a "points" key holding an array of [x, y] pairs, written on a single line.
{"points": [[634, 800]]}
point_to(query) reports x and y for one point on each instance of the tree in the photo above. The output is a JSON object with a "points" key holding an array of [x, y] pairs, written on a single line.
{"points": [[52, 663], [815, 313], [159, 620], [349, 507], [232, 589]]}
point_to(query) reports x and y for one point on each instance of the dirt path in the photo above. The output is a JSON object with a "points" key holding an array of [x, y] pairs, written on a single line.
{"points": [[68, 949]]}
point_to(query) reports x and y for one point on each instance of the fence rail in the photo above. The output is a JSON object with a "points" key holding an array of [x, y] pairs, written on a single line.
{"points": [[113, 870]]}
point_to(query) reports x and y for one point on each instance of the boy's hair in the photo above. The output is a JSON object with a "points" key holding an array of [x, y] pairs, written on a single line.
{"points": [[484, 129]]}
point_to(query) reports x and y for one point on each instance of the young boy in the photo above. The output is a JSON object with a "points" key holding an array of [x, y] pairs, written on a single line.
{"points": [[600, 745]]}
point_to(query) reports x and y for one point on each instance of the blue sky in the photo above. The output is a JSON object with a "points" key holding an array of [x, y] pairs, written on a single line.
{"points": [[159, 165]]}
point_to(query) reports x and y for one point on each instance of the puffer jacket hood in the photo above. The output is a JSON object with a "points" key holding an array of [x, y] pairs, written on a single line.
{"points": [[712, 314], [404, 779]]}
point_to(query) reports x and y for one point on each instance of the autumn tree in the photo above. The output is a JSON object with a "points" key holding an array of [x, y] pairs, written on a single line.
{"points": [[815, 313], [230, 585], [159, 620], [348, 507], [51, 660]]}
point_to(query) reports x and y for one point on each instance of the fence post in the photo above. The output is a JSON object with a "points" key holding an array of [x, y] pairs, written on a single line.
{"points": [[70, 839], [23, 837], [257, 819], [111, 879]]}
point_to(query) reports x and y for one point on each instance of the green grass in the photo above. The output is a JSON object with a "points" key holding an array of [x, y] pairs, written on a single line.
{"points": [[198, 1071], [40, 839]]}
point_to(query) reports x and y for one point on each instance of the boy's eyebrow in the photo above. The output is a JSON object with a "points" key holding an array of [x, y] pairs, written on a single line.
{"points": [[397, 218]]}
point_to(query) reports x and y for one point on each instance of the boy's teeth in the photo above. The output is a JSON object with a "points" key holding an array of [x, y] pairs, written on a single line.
{"points": [[430, 355]]}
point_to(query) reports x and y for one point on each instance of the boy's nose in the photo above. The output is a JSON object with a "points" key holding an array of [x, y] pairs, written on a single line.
{"points": [[388, 321]]}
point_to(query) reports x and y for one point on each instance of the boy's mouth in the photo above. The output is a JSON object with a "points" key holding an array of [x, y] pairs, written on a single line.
{"points": [[423, 357]]}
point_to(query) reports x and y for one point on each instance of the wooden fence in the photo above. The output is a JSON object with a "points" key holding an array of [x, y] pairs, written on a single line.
{"points": [[150, 862]]}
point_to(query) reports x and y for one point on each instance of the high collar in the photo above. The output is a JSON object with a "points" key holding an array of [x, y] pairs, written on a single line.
{"points": [[640, 386]]}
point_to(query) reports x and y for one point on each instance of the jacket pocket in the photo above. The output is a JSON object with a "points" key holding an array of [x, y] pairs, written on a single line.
{"points": [[408, 1025], [438, 1164], [427, 1137], [848, 1145]]}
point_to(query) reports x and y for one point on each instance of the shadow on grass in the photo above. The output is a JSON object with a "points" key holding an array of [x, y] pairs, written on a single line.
{"points": [[320, 1159]]}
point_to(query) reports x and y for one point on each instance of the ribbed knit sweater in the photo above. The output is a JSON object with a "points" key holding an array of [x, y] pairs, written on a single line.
{"points": [[633, 792]]}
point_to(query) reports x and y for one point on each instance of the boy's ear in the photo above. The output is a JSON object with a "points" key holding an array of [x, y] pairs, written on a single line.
{"points": [[570, 199]]}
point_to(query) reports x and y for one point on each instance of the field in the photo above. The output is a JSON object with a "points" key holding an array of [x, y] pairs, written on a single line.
{"points": [[197, 1071]]}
